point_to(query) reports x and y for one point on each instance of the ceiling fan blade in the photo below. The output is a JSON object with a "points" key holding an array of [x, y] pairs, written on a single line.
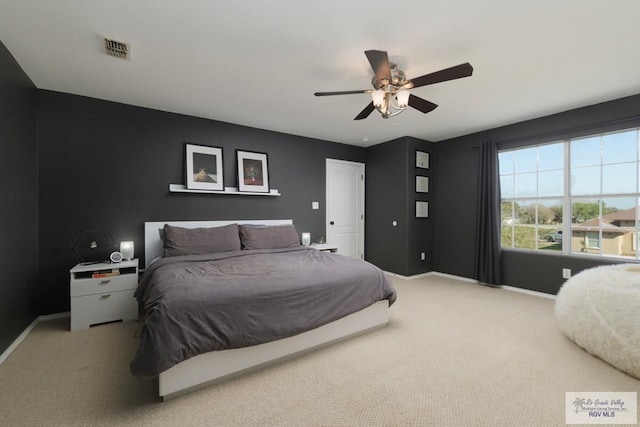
{"points": [[380, 64], [344, 92], [456, 72], [365, 113], [421, 104]]}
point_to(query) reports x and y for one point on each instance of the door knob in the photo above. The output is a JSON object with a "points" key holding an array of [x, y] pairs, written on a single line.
{"points": [[331, 223]]}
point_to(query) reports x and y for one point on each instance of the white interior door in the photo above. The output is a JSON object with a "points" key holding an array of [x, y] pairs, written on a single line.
{"points": [[345, 207]]}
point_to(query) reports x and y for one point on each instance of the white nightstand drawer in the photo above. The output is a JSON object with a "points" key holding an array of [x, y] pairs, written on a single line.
{"points": [[97, 296], [104, 284], [101, 305]]}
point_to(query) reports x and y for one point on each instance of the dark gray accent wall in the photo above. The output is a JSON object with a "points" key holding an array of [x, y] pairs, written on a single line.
{"points": [[19, 200], [391, 196], [455, 192], [105, 165], [72, 163], [420, 232]]}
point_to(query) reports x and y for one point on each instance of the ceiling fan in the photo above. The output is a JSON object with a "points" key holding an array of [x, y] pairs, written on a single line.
{"points": [[390, 91]]}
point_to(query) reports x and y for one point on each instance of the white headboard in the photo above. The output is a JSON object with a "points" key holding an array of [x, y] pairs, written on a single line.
{"points": [[153, 242]]}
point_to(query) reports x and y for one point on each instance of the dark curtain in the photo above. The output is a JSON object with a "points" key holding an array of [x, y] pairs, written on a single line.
{"points": [[488, 263]]}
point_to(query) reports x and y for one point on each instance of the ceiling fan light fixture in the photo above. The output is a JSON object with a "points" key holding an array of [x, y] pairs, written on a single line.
{"points": [[390, 94], [403, 97], [378, 97]]}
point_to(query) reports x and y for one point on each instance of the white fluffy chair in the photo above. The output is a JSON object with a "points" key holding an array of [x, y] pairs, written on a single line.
{"points": [[599, 309]]}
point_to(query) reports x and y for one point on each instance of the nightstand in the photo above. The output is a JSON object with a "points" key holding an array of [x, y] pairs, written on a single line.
{"points": [[325, 247], [103, 293]]}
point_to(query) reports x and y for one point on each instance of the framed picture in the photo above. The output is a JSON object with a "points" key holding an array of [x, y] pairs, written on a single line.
{"points": [[422, 160], [422, 184], [204, 167], [253, 172], [422, 209]]}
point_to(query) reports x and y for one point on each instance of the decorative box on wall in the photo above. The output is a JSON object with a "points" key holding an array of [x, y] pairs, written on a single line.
{"points": [[422, 209], [422, 160], [103, 292], [422, 184]]}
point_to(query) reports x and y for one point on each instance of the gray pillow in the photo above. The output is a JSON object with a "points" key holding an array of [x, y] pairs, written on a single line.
{"points": [[268, 237], [196, 241]]}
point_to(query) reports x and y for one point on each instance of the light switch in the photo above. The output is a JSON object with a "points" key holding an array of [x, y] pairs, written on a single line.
{"points": [[315, 205]]}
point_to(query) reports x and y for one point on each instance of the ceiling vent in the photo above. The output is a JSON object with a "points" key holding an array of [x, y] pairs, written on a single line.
{"points": [[116, 48]]}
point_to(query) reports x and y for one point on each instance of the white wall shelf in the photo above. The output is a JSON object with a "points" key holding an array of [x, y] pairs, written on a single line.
{"points": [[180, 188]]}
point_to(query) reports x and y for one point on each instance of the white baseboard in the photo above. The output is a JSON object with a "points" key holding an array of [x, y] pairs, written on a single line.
{"points": [[54, 316], [468, 280], [453, 276], [399, 276], [527, 291], [26, 332], [430, 273], [505, 287]]}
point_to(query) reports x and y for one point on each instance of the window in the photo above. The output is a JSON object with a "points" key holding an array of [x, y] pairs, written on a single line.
{"points": [[585, 189], [531, 183]]}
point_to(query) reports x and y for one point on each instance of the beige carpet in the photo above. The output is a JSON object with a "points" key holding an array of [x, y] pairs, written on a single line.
{"points": [[454, 354]]}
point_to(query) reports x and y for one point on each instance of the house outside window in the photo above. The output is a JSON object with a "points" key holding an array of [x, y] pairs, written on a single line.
{"points": [[585, 189]]}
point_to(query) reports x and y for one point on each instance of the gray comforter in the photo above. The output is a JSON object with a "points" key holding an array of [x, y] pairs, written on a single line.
{"points": [[199, 303]]}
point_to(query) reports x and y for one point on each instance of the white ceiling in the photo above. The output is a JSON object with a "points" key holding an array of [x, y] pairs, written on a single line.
{"points": [[258, 63]]}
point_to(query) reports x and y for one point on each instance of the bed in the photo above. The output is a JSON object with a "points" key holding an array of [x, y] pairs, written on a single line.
{"points": [[248, 300]]}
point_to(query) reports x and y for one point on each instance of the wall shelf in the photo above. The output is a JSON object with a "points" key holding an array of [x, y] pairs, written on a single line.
{"points": [[180, 188]]}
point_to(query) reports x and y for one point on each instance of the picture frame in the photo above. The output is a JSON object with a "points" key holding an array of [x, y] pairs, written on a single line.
{"points": [[422, 209], [203, 167], [253, 172], [422, 184], [422, 160]]}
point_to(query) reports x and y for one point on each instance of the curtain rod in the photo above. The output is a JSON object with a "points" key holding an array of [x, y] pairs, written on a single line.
{"points": [[635, 120], [563, 134]]}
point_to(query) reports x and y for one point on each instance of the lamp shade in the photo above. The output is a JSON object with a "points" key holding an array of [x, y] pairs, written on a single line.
{"points": [[403, 97], [378, 97], [306, 239], [126, 249]]}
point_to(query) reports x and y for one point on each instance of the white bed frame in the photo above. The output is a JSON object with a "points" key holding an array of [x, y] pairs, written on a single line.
{"points": [[207, 368]]}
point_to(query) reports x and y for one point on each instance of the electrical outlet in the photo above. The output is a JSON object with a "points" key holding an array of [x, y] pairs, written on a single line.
{"points": [[423, 256], [566, 273], [315, 205]]}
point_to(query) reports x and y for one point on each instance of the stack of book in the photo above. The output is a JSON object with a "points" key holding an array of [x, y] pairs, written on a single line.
{"points": [[105, 273]]}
